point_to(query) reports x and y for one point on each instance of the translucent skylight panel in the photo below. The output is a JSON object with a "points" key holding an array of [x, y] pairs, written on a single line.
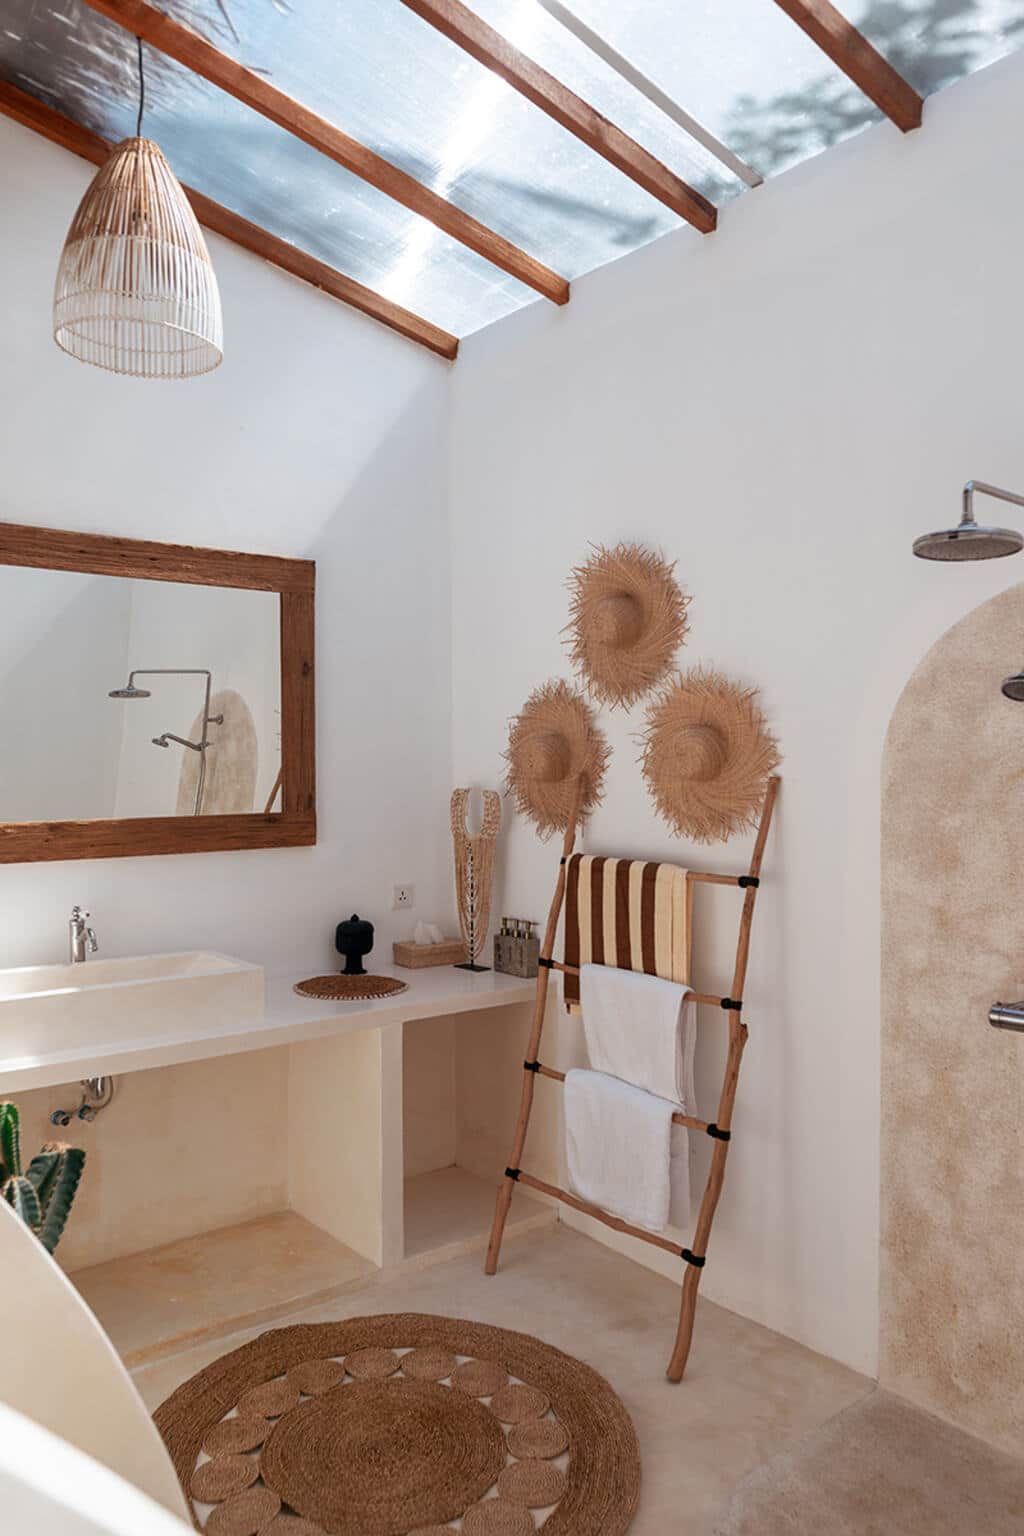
{"points": [[386, 77], [933, 44], [556, 49], [86, 67], [740, 67]]}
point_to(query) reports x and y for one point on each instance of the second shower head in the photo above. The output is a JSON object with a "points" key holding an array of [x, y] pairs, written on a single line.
{"points": [[131, 692], [971, 540]]}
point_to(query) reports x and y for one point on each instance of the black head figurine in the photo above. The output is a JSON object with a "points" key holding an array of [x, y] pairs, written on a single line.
{"points": [[354, 939]]}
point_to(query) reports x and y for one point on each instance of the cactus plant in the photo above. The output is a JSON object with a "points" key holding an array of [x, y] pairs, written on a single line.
{"points": [[43, 1194]]}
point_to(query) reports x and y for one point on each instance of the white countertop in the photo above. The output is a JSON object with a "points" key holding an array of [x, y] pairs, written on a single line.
{"points": [[432, 992]]}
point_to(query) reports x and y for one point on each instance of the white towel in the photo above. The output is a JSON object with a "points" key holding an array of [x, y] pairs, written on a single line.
{"points": [[618, 1144], [679, 1209], [639, 1028]]}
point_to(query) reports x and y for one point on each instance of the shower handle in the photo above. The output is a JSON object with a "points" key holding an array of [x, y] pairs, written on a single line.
{"points": [[1007, 1016]]}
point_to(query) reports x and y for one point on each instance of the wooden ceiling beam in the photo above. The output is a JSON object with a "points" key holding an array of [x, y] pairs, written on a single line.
{"points": [[463, 27], [187, 48], [90, 146], [858, 59]]}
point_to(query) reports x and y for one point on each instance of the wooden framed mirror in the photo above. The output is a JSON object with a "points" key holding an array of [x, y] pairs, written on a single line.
{"points": [[154, 698]]}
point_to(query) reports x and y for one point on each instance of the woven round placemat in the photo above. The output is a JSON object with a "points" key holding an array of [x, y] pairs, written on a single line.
{"points": [[349, 989], [400, 1453]]}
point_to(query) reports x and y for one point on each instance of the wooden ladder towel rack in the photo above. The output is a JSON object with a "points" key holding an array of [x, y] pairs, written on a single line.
{"points": [[720, 1130]]}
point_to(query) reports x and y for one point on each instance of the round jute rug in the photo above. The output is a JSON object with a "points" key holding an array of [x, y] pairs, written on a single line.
{"points": [[368, 1448]]}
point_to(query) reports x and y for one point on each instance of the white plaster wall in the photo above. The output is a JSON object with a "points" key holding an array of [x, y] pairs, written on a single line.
{"points": [[781, 407], [58, 746], [322, 435]]}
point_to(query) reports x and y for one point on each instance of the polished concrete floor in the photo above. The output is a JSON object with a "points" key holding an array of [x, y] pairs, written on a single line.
{"points": [[749, 1394], [881, 1465]]}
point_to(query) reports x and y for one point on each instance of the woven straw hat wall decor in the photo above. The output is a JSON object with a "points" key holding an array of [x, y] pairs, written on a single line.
{"points": [[553, 741], [136, 291], [628, 620], [707, 756]]}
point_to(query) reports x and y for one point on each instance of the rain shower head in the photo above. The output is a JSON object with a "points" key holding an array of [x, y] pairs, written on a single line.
{"points": [[971, 540], [1013, 687], [131, 692]]}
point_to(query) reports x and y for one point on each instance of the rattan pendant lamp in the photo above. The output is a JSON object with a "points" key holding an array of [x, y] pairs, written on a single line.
{"points": [[136, 291]]}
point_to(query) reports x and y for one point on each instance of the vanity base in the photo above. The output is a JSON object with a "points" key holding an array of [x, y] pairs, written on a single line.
{"points": [[200, 1289], [182, 1293], [449, 1211]]}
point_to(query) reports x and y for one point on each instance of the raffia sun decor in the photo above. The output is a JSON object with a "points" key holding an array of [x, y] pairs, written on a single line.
{"points": [[555, 746], [135, 290], [372, 1427], [628, 620], [707, 756]]}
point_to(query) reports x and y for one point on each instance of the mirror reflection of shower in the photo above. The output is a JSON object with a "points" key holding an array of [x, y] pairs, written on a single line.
{"points": [[166, 737]]}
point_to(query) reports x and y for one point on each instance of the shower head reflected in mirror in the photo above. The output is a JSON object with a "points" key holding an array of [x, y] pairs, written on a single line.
{"points": [[971, 540], [202, 746]]}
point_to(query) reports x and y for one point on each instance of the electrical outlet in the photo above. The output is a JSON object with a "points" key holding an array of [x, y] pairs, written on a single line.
{"points": [[403, 896]]}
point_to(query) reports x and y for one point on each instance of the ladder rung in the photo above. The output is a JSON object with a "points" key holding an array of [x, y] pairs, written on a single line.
{"points": [[596, 1211], [678, 1118], [695, 997]]}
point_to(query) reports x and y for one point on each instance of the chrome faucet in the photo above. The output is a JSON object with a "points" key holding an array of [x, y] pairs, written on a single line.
{"points": [[80, 937], [1007, 1016]]}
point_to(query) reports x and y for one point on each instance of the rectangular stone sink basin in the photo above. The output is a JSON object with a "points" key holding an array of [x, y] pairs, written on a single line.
{"points": [[51, 1008]]}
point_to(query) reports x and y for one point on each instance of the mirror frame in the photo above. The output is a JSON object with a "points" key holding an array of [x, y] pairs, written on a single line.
{"points": [[295, 581]]}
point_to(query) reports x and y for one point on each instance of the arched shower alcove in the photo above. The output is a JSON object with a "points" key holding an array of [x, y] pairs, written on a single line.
{"points": [[952, 1166]]}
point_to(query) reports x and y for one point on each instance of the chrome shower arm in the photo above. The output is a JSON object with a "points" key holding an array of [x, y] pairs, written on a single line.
{"points": [[169, 672], [196, 746], [986, 490]]}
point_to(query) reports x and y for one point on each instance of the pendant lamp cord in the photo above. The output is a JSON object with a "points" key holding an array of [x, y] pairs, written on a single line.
{"points": [[142, 92]]}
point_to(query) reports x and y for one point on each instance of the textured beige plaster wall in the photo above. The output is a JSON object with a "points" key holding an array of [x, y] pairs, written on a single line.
{"points": [[428, 1095], [952, 1259], [181, 1150]]}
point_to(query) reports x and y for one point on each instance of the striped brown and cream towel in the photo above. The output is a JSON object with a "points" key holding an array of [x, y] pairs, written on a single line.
{"points": [[627, 913]]}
